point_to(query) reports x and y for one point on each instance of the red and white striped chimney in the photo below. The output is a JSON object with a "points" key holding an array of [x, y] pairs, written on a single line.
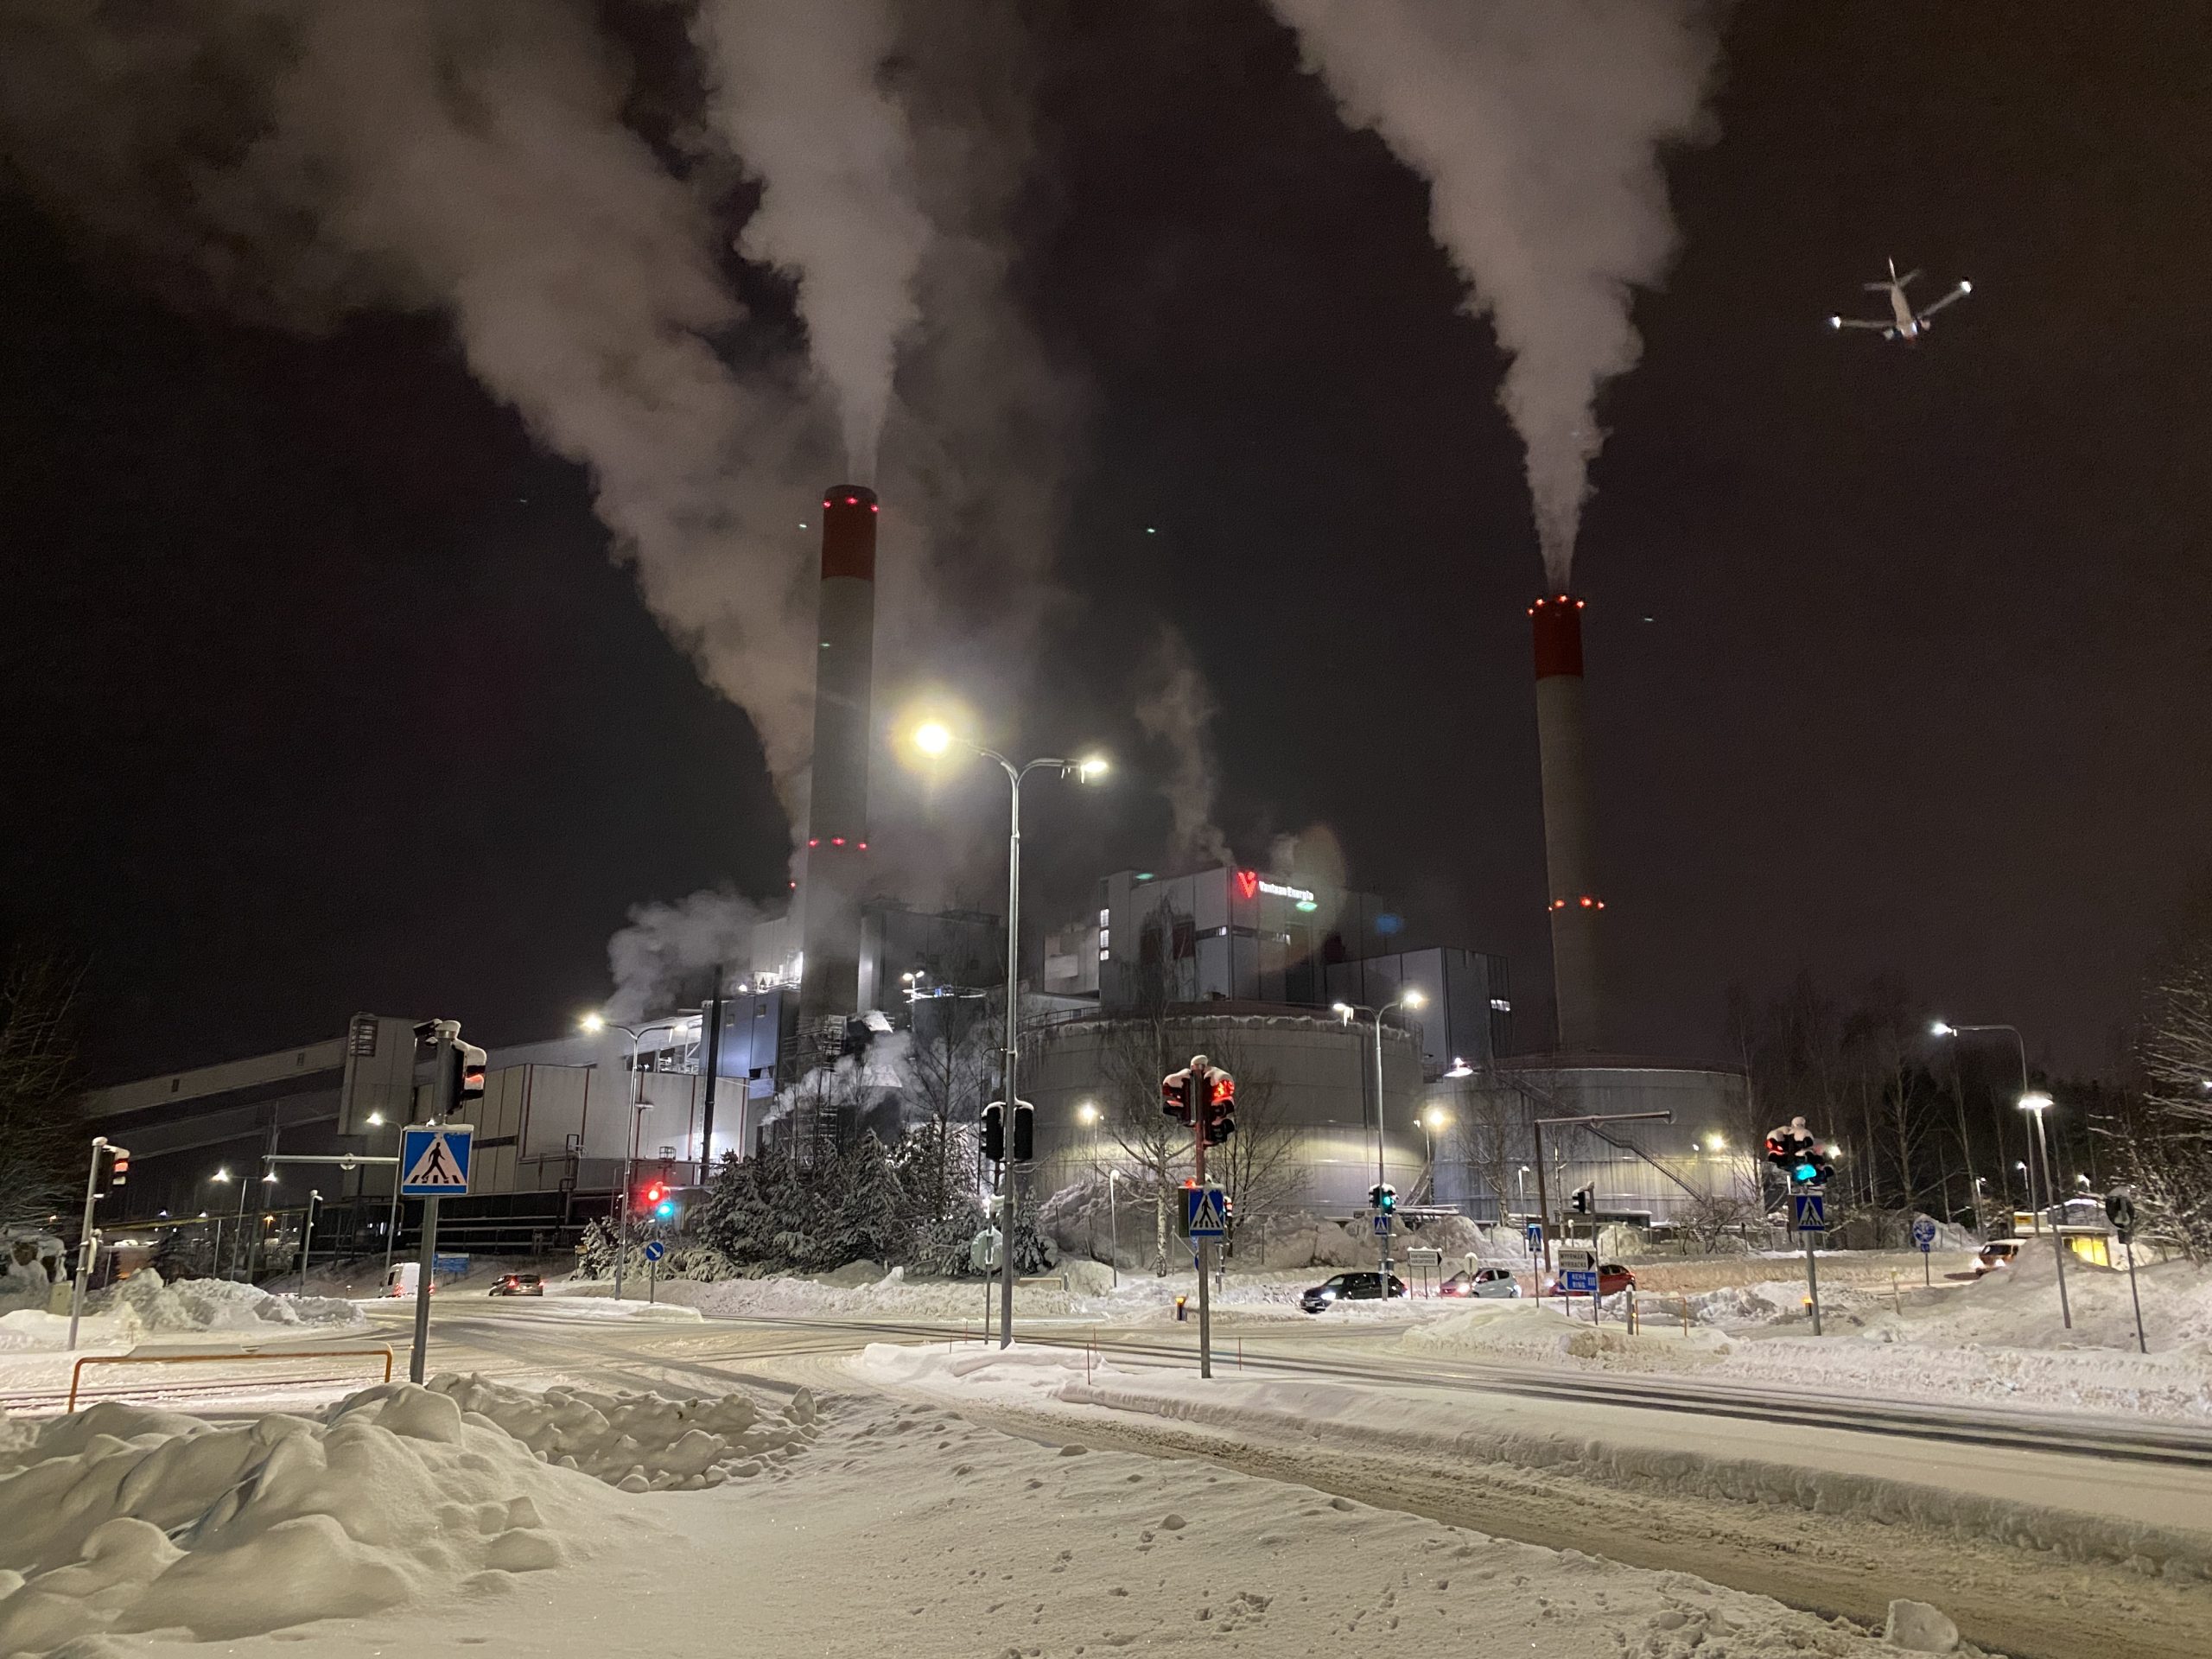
{"points": [[836, 829], [1569, 823]]}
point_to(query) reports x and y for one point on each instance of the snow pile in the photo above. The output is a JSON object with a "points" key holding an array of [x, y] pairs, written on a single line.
{"points": [[121, 1519], [640, 1442], [143, 1305]]}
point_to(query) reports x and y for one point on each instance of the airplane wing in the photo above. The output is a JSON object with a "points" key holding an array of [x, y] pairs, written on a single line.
{"points": [[1859, 322], [1958, 292]]}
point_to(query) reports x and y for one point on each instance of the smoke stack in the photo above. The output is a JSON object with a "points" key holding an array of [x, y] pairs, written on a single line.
{"points": [[1556, 622], [836, 829]]}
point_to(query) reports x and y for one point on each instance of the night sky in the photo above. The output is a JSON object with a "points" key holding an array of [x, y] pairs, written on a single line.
{"points": [[322, 693]]}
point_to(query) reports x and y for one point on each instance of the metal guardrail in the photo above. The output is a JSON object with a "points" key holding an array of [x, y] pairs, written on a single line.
{"points": [[77, 1371]]}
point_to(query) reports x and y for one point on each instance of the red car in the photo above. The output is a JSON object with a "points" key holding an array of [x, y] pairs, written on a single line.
{"points": [[1612, 1279]]}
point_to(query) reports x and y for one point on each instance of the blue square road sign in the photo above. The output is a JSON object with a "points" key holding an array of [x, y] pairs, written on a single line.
{"points": [[1204, 1214], [434, 1160], [1808, 1211]]}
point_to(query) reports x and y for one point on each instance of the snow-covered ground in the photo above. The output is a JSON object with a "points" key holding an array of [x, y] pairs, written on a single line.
{"points": [[410, 1520], [2001, 1339]]}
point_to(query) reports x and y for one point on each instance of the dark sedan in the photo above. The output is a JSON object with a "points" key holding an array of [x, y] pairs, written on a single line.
{"points": [[1349, 1287]]}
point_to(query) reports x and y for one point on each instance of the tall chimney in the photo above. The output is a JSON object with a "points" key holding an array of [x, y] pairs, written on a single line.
{"points": [[836, 829], [1556, 621]]}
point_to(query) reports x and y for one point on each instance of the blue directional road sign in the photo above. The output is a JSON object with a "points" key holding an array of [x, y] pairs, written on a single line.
{"points": [[1578, 1282], [433, 1161], [1204, 1215], [1808, 1211], [655, 1250], [1923, 1234]]}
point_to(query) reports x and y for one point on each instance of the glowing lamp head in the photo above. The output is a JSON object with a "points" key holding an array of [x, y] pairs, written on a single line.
{"points": [[1087, 1113], [1415, 998], [933, 737], [1091, 768], [593, 1024], [2035, 1101], [1342, 1010], [1941, 1029]]}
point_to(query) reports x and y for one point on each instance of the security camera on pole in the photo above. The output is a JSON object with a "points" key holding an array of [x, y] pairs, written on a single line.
{"points": [[1792, 1149], [1202, 1096]]}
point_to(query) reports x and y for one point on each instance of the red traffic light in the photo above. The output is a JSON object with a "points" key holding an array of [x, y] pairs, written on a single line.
{"points": [[655, 1191]]}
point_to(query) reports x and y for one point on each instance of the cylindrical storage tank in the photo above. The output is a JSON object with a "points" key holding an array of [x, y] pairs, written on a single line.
{"points": [[836, 834], [1306, 1089], [1569, 819]]}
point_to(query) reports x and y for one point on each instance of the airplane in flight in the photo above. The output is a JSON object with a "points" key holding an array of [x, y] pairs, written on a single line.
{"points": [[1904, 322]]}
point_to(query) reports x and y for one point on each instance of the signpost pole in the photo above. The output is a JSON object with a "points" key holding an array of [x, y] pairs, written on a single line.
{"points": [[1812, 1271], [2141, 1346], [429, 1261], [1201, 1091]]}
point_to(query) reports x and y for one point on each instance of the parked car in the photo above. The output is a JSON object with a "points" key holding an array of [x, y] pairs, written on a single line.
{"points": [[1483, 1281], [401, 1278], [1349, 1287], [1612, 1279], [1998, 1253], [519, 1284]]}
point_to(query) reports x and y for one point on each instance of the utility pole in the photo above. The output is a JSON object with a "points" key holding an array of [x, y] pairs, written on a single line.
{"points": [[307, 1237], [710, 1057]]}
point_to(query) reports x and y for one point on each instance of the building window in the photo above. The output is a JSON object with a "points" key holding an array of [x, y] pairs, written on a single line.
{"points": [[1186, 941]]}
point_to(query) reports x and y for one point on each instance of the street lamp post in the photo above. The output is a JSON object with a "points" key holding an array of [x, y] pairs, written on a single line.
{"points": [[933, 738], [594, 1024], [2035, 1101], [307, 1237], [1088, 1113], [1411, 997]]}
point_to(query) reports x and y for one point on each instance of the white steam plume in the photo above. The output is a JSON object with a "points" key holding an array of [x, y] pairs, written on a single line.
{"points": [[1538, 124], [794, 91], [666, 945], [1177, 714], [305, 159]]}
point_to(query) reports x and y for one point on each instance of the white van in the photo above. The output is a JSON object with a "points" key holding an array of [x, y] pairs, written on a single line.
{"points": [[401, 1278]]}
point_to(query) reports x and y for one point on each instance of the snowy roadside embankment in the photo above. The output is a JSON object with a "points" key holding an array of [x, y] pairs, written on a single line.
{"points": [[1435, 1428], [143, 1307], [1997, 1341], [124, 1520]]}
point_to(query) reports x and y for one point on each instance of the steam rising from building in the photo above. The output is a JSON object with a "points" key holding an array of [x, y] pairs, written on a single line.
{"points": [[1538, 124]]}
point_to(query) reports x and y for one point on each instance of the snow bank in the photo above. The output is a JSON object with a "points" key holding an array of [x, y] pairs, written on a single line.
{"points": [[1997, 1340], [121, 1519], [640, 1442], [143, 1307], [124, 1520]]}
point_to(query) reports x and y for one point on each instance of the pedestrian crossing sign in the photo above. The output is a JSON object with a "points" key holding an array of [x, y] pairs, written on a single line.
{"points": [[434, 1160]]}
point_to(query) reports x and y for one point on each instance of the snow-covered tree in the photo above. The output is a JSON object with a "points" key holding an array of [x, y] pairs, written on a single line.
{"points": [[869, 1221], [42, 1149]]}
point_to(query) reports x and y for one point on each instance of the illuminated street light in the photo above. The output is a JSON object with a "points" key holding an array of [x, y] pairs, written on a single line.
{"points": [[593, 1023], [1459, 1068], [935, 738]]}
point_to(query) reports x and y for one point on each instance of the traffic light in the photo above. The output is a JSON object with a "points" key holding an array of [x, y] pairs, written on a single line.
{"points": [[994, 1132], [1024, 1131], [1384, 1198], [1581, 1201], [1221, 1106], [1175, 1092], [657, 1201], [464, 1079]]}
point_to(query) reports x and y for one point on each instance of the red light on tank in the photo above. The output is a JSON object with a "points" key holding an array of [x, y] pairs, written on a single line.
{"points": [[839, 841], [863, 846], [812, 841], [1587, 901], [873, 508]]}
